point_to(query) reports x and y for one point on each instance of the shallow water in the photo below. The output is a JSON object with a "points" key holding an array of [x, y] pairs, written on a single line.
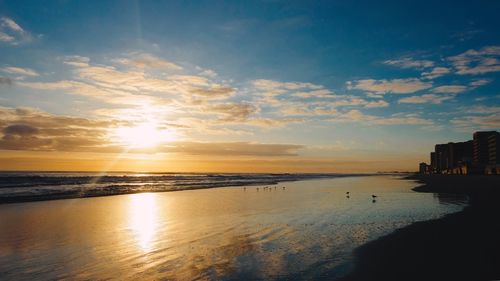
{"points": [[306, 231]]}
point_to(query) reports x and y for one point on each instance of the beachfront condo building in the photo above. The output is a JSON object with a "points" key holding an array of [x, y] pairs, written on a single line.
{"points": [[478, 156]]}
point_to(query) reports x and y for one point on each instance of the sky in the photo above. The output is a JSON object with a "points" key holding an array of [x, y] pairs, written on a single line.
{"points": [[243, 86]]}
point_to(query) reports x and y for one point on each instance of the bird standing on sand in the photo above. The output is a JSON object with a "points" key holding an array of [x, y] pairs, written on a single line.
{"points": [[257, 189], [284, 187]]}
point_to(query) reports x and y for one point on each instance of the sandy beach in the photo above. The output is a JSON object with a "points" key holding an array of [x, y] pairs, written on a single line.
{"points": [[460, 246]]}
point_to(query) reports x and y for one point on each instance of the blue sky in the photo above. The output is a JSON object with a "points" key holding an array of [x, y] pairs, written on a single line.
{"points": [[332, 81]]}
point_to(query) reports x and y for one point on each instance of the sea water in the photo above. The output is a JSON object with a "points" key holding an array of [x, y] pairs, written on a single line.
{"points": [[304, 229]]}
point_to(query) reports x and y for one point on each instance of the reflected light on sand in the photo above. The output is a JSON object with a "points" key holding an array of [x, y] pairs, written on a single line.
{"points": [[143, 218]]}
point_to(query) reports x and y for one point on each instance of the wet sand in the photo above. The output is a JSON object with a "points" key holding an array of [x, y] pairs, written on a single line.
{"points": [[306, 231], [460, 246]]}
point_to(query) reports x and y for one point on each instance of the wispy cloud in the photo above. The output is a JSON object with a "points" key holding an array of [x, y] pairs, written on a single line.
{"points": [[264, 84], [12, 33], [145, 60], [478, 117], [234, 148], [19, 71], [409, 62], [394, 86], [427, 98], [475, 62], [30, 129], [450, 89], [396, 119], [436, 72], [379, 103], [5, 81]]}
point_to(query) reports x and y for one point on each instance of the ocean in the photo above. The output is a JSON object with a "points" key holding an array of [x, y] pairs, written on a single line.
{"points": [[258, 227]]}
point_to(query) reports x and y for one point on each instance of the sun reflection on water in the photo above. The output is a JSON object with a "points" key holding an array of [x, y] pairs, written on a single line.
{"points": [[143, 218]]}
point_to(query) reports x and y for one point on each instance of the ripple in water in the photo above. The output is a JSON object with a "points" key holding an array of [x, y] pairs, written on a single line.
{"points": [[304, 231]]}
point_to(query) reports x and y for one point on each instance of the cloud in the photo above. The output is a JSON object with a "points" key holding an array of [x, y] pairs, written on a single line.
{"points": [[475, 62], [131, 86], [263, 84], [5, 81], [436, 72], [472, 123], [394, 86], [410, 63], [233, 111], [308, 110], [11, 24], [19, 71], [374, 95], [379, 103], [206, 72], [450, 89], [77, 61], [12, 33], [483, 109], [145, 60], [214, 92], [234, 149], [358, 116], [322, 93], [6, 37], [30, 129], [273, 122], [479, 82], [478, 117], [428, 98]]}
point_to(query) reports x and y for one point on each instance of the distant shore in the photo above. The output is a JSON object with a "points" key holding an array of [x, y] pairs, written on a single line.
{"points": [[460, 246]]}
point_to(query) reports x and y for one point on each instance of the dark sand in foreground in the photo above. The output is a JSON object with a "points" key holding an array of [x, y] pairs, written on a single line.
{"points": [[460, 246]]}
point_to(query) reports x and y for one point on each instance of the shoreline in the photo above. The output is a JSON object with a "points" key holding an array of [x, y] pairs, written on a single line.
{"points": [[117, 189], [459, 246]]}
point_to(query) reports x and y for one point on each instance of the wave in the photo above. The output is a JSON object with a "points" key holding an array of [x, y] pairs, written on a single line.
{"points": [[18, 187]]}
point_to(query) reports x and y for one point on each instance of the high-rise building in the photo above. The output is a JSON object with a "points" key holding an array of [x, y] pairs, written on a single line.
{"points": [[460, 153], [494, 149], [493, 154], [480, 154], [441, 151], [433, 162]]}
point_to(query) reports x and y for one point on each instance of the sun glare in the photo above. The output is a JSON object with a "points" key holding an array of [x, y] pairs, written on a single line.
{"points": [[144, 135], [143, 218]]}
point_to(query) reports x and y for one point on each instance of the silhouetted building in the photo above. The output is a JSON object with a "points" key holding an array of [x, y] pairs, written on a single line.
{"points": [[493, 166], [459, 157], [441, 151], [480, 152], [423, 168], [433, 162], [478, 156]]}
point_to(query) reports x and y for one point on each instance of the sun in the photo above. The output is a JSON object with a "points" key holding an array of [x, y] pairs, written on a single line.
{"points": [[143, 135]]}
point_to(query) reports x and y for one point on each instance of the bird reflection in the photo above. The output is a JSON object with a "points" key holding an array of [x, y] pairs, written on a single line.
{"points": [[143, 218]]}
